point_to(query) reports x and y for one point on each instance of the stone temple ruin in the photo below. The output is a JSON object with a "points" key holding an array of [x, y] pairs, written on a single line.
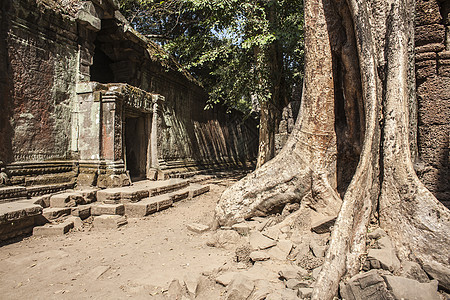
{"points": [[87, 101]]}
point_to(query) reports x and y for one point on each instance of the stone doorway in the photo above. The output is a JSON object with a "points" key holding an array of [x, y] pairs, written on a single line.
{"points": [[136, 146]]}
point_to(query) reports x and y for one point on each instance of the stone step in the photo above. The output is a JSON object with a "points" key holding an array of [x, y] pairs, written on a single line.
{"points": [[148, 206], [109, 222], [17, 218], [53, 229], [69, 199], [52, 213], [81, 211], [157, 203], [107, 209], [140, 190], [198, 189]]}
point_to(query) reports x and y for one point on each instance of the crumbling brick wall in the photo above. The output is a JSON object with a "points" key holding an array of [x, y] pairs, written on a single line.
{"points": [[432, 41]]}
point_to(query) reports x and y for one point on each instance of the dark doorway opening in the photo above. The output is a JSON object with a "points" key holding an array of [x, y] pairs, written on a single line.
{"points": [[136, 141], [100, 69]]}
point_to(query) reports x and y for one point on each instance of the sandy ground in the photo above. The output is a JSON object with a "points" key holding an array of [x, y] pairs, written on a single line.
{"points": [[135, 261]]}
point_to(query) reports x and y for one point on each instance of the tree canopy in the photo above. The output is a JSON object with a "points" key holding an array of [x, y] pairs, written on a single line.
{"points": [[225, 43]]}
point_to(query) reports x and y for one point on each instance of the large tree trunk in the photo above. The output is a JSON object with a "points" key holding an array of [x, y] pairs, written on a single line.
{"points": [[346, 94]]}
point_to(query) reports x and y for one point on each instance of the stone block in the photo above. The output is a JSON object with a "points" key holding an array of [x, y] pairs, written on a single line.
{"points": [[317, 250], [384, 258], [240, 288], [425, 69], [292, 272], [82, 211], [53, 229], [107, 209], [141, 208], [77, 222], [197, 228], [433, 96], [109, 195], [14, 211], [323, 224], [90, 21], [368, 286], [198, 189], [412, 270], [444, 67], [259, 241], [226, 278], [66, 200], [425, 56], [427, 12], [133, 194], [179, 195], [259, 256], [109, 221], [433, 47], [241, 228], [404, 288], [53, 213], [281, 250], [224, 239], [428, 34]]}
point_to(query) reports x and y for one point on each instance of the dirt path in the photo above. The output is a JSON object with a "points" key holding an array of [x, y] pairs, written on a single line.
{"points": [[134, 261]]}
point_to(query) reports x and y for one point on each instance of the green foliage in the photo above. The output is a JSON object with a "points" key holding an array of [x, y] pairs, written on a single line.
{"points": [[228, 45]]}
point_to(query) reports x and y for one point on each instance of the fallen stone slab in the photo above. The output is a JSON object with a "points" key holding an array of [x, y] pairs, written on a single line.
{"points": [[369, 285], [260, 242], [259, 256], [405, 288], [225, 278], [197, 228], [82, 211], [383, 258], [224, 239], [109, 221], [323, 224], [53, 229], [241, 228], [384, 243], [317, 250], [240, 287], [412, 270], [281, 250], [107, 209], [292, 272], [52, 213]]}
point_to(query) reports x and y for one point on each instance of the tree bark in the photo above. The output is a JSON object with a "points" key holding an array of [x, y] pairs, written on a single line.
{"points": [[383, 186]]}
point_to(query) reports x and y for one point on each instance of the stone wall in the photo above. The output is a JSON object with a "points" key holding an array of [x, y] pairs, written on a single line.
{"points": [[432, 41], [47, 52]]}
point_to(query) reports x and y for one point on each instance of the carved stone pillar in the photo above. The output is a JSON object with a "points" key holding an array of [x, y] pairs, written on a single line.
{"points": [[153, 168]]}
